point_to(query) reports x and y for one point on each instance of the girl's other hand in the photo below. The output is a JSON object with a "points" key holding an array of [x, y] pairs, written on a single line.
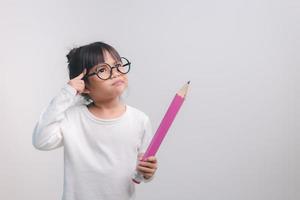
{"points": [[148, 167], [78, 84]]}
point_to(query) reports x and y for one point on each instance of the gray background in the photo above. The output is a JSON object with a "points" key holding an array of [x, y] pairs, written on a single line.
{"points": [[236, 137]]}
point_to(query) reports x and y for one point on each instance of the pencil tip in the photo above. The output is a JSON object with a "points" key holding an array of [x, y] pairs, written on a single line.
{"points": [[188, 82]]}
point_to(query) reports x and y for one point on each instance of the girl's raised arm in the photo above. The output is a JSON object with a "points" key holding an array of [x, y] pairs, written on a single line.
{"points": [[47, 134]]}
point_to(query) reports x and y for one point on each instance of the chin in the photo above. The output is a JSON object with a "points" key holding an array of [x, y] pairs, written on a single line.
{"points": [[118, 91]]}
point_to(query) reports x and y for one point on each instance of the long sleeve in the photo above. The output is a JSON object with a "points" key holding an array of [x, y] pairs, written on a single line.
{"points": [[145, 141], [146, 137], [47, 134]]}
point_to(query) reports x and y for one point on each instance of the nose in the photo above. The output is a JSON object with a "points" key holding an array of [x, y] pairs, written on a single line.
{"points": [[116, 74]]}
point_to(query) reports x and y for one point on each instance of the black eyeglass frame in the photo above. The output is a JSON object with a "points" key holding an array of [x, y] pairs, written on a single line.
{"points": [[111, 70]]}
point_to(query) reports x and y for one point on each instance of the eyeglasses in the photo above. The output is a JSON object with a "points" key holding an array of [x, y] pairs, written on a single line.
{"points": [[104, 71]]}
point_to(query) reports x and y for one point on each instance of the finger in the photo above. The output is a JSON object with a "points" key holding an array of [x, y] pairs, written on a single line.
{"points": [[86, 91], [142, 171], [152, 159], [78, 82], [148, 175], [80, 88], [81, 82], [80, 76], [148, 165], [140, 156], [145, 169]]}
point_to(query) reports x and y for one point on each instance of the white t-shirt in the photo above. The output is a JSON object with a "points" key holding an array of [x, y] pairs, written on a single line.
{"points": [[100, 155]]}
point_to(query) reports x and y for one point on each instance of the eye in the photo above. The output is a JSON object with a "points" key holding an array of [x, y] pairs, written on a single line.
{"points": [[102, 69]]}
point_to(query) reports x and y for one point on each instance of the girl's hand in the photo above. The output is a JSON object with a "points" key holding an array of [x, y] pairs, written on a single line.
{"points": [[147, 168], [78, 84]]}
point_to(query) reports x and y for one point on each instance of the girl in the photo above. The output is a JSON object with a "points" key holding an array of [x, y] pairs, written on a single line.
{"points": [[103, 137]]}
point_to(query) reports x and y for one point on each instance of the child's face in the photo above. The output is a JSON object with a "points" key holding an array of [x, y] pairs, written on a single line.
{"points": [[104, 90]]}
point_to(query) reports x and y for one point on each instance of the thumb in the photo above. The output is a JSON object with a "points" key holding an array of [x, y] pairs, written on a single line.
{"points": [[86, 91], [140, 156]]}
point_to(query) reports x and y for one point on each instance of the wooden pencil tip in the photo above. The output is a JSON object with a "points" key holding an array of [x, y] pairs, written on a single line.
{"points": [[182, 92]]}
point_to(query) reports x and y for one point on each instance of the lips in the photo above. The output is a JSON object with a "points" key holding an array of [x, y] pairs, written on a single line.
{"points": [[118, 82]]}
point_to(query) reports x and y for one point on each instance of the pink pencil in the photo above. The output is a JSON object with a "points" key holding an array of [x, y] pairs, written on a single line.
{"points": [[164, 126]]}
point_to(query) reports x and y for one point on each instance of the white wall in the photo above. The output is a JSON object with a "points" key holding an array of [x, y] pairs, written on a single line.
{"points": [[237, 135]]}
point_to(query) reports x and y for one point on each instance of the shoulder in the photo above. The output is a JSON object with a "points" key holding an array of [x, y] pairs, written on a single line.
{"points": [[74, 111], [140, 119], [138, 114]]}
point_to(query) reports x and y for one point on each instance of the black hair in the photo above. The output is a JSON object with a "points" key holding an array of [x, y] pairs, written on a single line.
{"points": [[87, 56]]}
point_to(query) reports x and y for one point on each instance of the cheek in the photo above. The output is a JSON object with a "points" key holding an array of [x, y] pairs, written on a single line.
{"points": [[102, 87], [126, 82], [97, 84]]}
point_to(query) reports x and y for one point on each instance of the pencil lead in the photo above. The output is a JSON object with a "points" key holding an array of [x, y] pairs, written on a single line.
{"points": [[188, 82]]}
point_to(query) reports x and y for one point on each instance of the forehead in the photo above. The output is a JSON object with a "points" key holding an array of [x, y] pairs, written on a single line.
{"points": [[109, 58]]}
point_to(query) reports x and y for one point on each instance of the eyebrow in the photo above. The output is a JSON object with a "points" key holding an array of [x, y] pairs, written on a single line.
{"points": [[116, 62]]}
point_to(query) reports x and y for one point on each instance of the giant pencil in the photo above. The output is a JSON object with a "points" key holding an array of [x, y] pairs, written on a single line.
{"points": [[164, 126]]}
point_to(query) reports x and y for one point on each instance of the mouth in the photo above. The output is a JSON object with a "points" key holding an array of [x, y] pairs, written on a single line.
{"points": [[119, 82]]}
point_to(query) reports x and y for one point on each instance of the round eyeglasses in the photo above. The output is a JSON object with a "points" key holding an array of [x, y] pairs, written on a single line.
{"points": [[104, 71]]}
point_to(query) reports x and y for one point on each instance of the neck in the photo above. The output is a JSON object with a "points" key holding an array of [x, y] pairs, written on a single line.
{"points": [[107, 109], [107, 104]]}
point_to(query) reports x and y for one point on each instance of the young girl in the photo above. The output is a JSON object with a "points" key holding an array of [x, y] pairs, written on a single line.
{"points": [[103, 137]]}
